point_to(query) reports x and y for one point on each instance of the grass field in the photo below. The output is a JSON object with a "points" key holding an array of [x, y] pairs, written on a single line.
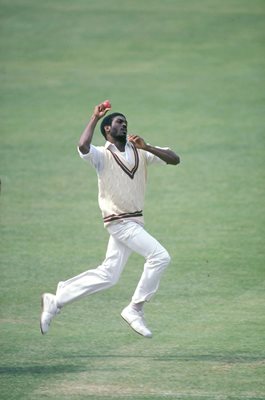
{"points": [[189, 75]]}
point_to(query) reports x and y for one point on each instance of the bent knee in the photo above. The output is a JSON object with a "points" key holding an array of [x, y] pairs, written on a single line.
{"points": [[109, 278], [161, 258], [166, 258]]}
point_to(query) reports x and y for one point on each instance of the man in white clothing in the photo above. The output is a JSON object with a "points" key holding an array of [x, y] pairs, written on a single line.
{"points": [[121, 167]]}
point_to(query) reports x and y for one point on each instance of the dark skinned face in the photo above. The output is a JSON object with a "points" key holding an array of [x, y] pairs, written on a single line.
{"points": [[118, 129]]}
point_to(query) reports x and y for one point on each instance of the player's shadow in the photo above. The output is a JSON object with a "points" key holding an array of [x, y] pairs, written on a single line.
{"points": [[65, 368], [41, 369], [233, 358]]}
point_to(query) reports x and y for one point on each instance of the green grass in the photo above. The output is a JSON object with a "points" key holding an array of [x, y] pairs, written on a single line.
{"points": [[190, 75]]}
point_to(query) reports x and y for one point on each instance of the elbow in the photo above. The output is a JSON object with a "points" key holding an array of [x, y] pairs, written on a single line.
{"points": [[175, 160], [83, 147]]}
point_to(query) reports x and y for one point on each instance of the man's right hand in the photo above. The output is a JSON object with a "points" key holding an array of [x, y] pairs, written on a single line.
{"points": [[84, 142], [100, 110]]}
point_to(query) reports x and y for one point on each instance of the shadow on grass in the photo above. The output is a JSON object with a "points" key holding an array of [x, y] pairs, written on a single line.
{"points": [[41, 369], [222, 358], [65, 369]]}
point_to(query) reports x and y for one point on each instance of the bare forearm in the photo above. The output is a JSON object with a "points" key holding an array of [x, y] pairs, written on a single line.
{"points": [[86, 137], [167, 155]]}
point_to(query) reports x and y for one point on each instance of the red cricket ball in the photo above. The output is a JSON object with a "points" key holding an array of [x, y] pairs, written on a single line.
{"points": [[107, 104]]}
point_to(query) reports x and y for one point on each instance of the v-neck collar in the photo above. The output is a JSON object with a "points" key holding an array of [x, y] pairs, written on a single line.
{"points": [[130, 172]]}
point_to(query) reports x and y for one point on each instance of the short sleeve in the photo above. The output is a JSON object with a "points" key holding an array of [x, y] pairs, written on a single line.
{"points": [[94, 157]]}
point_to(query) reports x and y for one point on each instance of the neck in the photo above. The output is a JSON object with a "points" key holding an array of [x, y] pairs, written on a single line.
{"points": [[120, 144]]}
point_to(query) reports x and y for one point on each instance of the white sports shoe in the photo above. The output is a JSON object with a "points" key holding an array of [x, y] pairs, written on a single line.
{"points": [[136, 321], [49, 310]]}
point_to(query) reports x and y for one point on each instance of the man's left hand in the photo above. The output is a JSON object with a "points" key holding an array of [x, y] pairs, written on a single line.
{"points": [[137, 141]]}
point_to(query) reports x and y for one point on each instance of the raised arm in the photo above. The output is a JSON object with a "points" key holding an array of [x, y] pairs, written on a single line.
{"points": [[167, 155], [86, 137]]}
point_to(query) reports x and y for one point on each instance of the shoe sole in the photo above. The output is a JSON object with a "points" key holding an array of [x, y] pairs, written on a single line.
{"points": [[147, 337]]}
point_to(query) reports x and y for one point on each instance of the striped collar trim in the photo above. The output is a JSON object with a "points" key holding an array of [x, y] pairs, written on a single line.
{"points": [[129, 172]]}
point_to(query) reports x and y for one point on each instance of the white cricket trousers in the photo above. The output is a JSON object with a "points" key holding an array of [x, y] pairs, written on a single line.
{"points": [[125, 237]]}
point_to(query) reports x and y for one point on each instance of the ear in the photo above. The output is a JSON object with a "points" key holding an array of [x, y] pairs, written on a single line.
{"points": [[107, 128]]}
